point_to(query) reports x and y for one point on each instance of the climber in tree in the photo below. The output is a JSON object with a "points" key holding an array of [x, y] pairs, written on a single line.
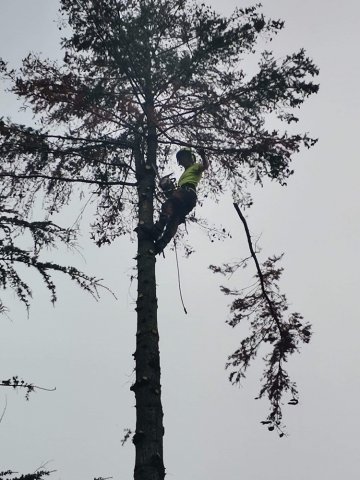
{"points": [[181, 200]]}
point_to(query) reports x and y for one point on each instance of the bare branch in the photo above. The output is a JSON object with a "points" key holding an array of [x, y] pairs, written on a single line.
{"points": [[4, 410], [64, 179], [15, 383]]}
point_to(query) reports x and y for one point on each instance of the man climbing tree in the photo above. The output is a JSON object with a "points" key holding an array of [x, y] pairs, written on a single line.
{"points": [[138, 77], [180, 201]]}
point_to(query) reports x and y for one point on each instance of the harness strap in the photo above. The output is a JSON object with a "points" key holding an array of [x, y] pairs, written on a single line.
{"points": [[188, 186]]}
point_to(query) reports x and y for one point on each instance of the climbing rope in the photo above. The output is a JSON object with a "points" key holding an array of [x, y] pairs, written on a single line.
{"points": [[179, 280]]}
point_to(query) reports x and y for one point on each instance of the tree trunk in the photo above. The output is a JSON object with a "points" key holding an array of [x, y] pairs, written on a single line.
{"points": [[148, 438]]}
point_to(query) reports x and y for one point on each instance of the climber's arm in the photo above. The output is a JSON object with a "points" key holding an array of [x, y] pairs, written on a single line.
{"points": [[205, 162]]}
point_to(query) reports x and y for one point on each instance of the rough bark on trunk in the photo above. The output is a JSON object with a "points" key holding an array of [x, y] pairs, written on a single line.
{"points": [[148, 438]]}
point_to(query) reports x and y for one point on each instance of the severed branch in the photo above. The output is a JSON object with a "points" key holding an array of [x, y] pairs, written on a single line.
{"points": [[259, 272], [271, 326]]}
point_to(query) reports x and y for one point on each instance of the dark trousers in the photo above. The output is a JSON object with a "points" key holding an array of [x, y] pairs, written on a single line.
{"points": [[173, 213]]}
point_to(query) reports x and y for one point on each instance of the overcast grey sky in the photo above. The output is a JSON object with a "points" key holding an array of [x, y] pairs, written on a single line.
{"points": [[212, 429]]}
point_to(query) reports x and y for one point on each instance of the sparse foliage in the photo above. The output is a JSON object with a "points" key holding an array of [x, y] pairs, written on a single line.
{"points": [[38, 475], [271, 327], [173, 66], [15, 231], [16, 383]]}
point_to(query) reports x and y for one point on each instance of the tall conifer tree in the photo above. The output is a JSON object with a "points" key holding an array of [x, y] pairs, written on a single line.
{"points": [[140, 78]]}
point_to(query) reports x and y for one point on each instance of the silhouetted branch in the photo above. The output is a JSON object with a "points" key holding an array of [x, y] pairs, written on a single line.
{"points": [[102, 141], [28, 176], [266, 310], [127, 435], [4, 410], [38, 475], [261, 277], [15, 383]]}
